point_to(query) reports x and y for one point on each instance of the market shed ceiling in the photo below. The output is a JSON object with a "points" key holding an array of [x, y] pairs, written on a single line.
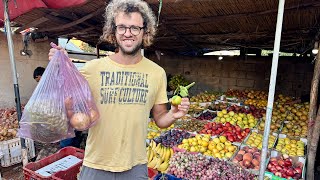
{"points": [[195, 25]]}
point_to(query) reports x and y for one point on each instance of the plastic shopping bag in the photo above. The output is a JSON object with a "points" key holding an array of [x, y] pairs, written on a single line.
{"points": [[61, 102]]}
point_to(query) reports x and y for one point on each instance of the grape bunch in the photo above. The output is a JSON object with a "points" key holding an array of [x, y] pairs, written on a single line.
{"points": [[172, 138], [196, 166]]}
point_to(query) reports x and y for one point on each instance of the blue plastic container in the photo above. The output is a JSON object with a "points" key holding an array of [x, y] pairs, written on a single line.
{"points": [[169, 177]]}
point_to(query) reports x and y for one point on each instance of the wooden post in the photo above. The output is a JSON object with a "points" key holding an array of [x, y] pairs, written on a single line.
{"points": [[314, 121]]}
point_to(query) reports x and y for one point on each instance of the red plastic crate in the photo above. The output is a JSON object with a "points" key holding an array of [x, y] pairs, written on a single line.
{"points": [[69, 174], [152, 173], [29, 169]]}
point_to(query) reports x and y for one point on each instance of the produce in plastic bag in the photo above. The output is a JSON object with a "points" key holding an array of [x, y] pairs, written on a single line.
{"points": [[61, 101]]}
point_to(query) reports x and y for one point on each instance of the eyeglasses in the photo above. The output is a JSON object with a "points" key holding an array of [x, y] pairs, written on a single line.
{"points": [[134, 30]]}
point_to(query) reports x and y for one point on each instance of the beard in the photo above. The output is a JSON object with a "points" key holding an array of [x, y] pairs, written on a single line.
{"points": [[134, 51]]}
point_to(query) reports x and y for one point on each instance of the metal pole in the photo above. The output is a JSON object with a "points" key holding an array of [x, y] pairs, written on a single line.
{"points": [[273, 79], [13, 64]]}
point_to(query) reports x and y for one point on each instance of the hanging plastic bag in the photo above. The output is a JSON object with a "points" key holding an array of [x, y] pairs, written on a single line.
{"points": [[61, 102]]}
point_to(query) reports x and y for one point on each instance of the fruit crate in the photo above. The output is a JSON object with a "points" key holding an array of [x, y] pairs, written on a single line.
{"points": [[30, 169], [252, 171], [69, 174], [262, 121], [304, 140], [260, 132], [11, 151], [295, 161]]}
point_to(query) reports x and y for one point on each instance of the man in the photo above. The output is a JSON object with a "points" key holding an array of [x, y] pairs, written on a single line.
{"points": [[37, 73], [126, 86]]}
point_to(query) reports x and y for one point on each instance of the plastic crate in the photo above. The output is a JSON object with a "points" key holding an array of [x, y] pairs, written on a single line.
{"points": [[11, 151], [69, 174], [168, 176], [29, 169], [152, 173]]}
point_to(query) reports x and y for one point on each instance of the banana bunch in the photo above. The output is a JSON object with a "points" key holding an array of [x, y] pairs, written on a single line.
{"points": [[158, 156]]}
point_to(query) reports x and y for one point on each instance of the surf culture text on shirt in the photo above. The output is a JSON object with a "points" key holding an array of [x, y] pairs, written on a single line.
{"points": [[123, 87]]}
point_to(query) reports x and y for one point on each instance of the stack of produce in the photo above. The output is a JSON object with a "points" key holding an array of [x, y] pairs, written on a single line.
{"points": [[255, 140], [218, 147], [290, 147], [203, 97], [241, 119], [256, 112], [284, 167], [206, 116], [196, 166], [153, 126], [153, 134], [8, 124], [248, 158], [172, 138], [158, 156], [191, 125], [233, 133], [218, 107]]}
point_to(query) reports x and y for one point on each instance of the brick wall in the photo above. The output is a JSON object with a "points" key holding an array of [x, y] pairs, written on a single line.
{"points": [[24, 65], [294, 74]]}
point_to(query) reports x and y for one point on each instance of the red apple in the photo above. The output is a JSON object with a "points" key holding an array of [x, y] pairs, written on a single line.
{"points": [[278, 174], [281, 162], [290, 172], [298, 170], [287, 163]]}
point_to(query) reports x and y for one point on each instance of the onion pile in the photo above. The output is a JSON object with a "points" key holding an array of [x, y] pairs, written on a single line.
{"points": [[196, 166]]}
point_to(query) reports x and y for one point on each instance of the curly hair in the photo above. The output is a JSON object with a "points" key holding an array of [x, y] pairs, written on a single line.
{"points": [[129, 6]]}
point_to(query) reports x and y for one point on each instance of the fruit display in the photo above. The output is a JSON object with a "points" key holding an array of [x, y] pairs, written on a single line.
{"points": [[248, 158], [207, 116], [233, 133], [256, 102], [196, 166], [176, 81], [240, 119], [218, 147], [218, 107], [255, 140], [284, 166], [290, 147], [191, 125], [196, 108], [203, 97], [153, 126], [284, 99], [158, 156], [294, 130], [172, 138], [236, 93], [213, 128], [256, 112], [275, 126], [8, 124], [153, 134], [186, 117]]}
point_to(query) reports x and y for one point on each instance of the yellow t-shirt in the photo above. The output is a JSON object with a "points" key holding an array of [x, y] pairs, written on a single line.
{"points": [[124, 95]]}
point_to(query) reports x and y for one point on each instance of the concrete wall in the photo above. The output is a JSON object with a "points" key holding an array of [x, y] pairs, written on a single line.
{"points": [[24, 65], [294, 74]]}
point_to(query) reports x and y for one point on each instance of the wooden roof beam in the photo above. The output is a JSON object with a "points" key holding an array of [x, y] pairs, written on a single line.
{"points": [[76, 22], [176, 21], [33, 23]]}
